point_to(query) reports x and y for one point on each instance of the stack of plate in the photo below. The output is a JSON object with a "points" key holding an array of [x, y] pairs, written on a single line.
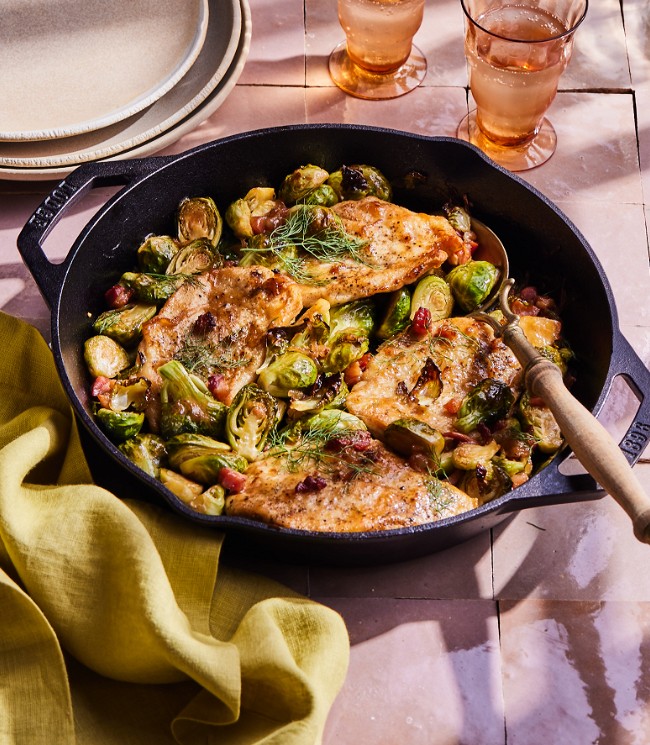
{"points": [[96, 80]]}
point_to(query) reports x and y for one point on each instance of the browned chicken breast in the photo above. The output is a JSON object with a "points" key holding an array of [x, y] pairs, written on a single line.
{"points": [[217, 324], [401, 246], [333, 495], [396, 383]]}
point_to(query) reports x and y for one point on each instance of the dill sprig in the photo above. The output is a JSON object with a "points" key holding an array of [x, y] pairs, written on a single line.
{"points": [[329, 244], [310, 446], [198, 355], [439, 497]]}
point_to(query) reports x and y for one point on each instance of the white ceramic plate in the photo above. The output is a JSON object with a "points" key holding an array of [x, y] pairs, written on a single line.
{"points": [[213, 63], [69, 68]]}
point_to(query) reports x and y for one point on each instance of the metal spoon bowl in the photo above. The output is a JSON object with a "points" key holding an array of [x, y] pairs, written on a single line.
{"points": [[490, 248]]}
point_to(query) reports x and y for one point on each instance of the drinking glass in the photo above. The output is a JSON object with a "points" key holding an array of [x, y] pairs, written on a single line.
{"points": [[516, 54], [378, 59]]}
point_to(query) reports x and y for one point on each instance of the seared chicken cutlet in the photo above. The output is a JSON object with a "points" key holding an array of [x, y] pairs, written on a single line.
{"points": [[216, 324], [386, 493], [401, 246], [395, 385]]}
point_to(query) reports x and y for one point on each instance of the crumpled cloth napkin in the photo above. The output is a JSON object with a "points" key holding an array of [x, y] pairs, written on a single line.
{"points": [[117, 623]]}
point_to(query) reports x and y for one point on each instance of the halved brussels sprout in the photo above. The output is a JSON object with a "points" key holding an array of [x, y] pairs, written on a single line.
{"points": [[250, 419], [149, 288], [349, 338], [124, 325], [104, 356], [127, 394], [328, 392], [191, 445], [486, 483], [258, 201], [560, 357], [120, 425], [187, 405], [472, 283], [542, 424], [199, 217], [185, 489], [359, 181], [147, 451], [206, 469], [470, 455], [488, 401], [210, 502], [409, 436], [434, 294], [458, 216], [195, 258], [303, 180], [287, 372], [397, 314], [155, 253]]}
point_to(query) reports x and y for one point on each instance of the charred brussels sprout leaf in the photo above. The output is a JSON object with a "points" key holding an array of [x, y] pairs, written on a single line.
{"points": [[349, 337], [199, 218], [297, 185], [486, 482], [541, 422], [128, 394], [155, 253], [124, 325], [472, 283], [152, 288], [434, 294], [287, 372], [458, 217], [104, 356], [194, 258], [187, 405], [206, 469], [396, 315], [359, 181], [488, 401], [328, 392], [146, 451], [120, 425], [470, 455], [250, 419], [190, 445]]}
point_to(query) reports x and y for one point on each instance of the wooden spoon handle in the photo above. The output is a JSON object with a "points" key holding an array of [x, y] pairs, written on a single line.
{"points": [[586, 436]]}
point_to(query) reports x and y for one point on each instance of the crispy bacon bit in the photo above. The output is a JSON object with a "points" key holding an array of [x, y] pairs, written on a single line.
{"points": [[529, 294], [522, 308], [421, 322], [352, 373], [457, 436], [231, 480], [271, 220], [218, 387], [101, 384], [364, 361], [545, 304], [205, 323], [118, 296], [518, 479], [453, 405], [359, 440], [311, 484]]}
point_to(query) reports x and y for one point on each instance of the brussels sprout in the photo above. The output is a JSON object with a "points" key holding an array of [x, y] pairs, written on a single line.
{"points": [[485, 483], [358, 181], [199, 218], [120, 425], [146, 451], [104, 356], [303, 180], [397, 314], [542, 424], [350, 326], [182, 487], [328, 392], [211, 502], [322, 196], [194, 258], [155, 253], [124, 325], [261, 251], [191, 445], [458, 217], [258, 201], [206, 469], [560, 357], [277, 342], [187, 405], [434, 294], [129, 394], [410, 436], [488, 401], [470, 455], [251, 417], [323, 426], [511, 467], [149, 288], [287, 372], [472, 283]]}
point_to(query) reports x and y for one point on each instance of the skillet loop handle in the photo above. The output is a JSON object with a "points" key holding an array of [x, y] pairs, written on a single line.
{"points": [[47, 275], [586, 436]]}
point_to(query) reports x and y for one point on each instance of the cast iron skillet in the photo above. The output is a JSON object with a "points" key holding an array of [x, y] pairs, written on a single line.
{"points": [[542, 243]]}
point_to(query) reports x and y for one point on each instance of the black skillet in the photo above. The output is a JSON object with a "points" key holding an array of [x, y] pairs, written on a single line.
{"points": [[543, 245]]}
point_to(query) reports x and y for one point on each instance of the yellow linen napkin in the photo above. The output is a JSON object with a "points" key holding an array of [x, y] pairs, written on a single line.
{"points": [[117, 622]]}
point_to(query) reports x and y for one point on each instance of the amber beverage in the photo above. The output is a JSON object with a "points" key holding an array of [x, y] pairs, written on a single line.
{"points": [[380, 33], [516, 54]]}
